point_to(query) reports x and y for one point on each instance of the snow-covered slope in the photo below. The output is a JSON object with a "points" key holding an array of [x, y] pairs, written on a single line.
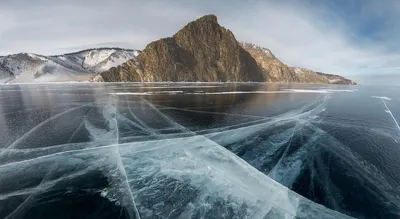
{"points": [[79, 66], [5, 75]]}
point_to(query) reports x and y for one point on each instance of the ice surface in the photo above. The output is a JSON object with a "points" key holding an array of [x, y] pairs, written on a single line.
{"points": [[287, 91], [319, 90], [387, 109], [149, 93], [391, 114], [136, 152], [181, 175]]}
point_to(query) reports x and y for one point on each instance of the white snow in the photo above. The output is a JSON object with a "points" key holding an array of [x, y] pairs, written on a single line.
{"points": [[320, 90], [27, 67], [334, 80], [95, 57], [298, 70], [382, 98], [148, 93], [102, 60], [309, 91]]}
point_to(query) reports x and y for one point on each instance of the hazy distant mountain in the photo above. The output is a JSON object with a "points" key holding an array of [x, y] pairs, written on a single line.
{"points": [[79, 66], [205, 51]]}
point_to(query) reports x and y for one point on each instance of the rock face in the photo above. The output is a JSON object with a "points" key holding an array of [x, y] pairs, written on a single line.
{"points": [[336, 79], [201, 51], [205, 51], [273, 69], [276, 71]]}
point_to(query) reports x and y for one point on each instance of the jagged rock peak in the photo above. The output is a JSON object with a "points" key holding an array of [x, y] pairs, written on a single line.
{"points": [[205, 51], [207, 18], [205, 29], [201, 51]]}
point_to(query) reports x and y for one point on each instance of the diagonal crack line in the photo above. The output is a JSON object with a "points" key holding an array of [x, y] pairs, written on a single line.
{"points": [[43, 123], [391, 114], [167, 118], [216, 113], [121, 165], [143, 125], [277, 165], [196, 134]]}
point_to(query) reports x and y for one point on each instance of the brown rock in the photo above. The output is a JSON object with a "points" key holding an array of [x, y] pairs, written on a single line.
{"points": [[336, 79], [273, 69], [276, 71], [205, 51], [305, 75], [201, 51]]}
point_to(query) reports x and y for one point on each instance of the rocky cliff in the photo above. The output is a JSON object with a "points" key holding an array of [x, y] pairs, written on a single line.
{"points": [[201, 51], [276, 71], [273, 69], [205, 51]]}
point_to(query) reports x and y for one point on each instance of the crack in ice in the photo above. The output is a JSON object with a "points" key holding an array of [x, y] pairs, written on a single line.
{"points": [[26, 134], [391, 114], [120, 164], [149, 129]]}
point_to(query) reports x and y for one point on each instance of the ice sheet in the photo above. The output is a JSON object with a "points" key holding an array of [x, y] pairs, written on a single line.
{"points": [[182, 175]]}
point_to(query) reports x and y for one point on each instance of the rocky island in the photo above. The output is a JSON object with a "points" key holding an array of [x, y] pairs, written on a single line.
{"points": [[204, 51]]}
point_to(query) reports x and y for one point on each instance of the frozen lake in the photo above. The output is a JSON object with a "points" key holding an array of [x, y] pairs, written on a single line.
{"points": [[202, 150]]}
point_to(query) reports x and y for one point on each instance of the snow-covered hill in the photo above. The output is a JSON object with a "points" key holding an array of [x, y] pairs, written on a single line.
{"points": [[79, 66]]}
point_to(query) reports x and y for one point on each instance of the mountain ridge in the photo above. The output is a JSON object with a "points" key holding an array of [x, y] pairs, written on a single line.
{"points": [[201, 51], [78, 66], [205, 51], [277, 71]]}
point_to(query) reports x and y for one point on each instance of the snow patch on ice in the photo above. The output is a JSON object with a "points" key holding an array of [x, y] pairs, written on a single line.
{"points": [[148, 93], [319, 90], [286, 91], [383, 98], [309, 91]]}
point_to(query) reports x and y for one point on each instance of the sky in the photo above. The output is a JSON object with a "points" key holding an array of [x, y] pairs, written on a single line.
{"points": [[354, 38]]}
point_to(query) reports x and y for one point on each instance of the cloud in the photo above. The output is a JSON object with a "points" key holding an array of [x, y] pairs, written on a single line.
{"points": [[50, 27], [348, 37], [308, 36]]}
